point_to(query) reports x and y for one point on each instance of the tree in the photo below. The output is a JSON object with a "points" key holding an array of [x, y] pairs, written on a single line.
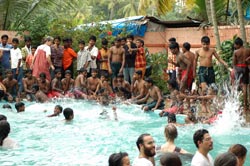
{"points": [[215, 25], [241, 20]]}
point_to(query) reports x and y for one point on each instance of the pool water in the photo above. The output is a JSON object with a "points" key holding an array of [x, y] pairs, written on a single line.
{"points": [[90, 138]]}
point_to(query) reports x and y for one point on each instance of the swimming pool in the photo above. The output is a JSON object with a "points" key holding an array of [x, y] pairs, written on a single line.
{"points": [[91, 138]]}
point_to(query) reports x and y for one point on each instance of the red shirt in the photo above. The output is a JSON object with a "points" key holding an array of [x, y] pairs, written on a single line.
{"points": [[140, 60], [68, 55]]}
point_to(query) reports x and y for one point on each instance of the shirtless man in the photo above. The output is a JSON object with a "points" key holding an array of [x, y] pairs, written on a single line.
{"points": [[43, 83], [80, 87], [116, 59], [68, 84], [11, 85], [121, 87], [28, 82], [154, 93], [56, 85], [40, 96], [92, 83], [206, 71], [186, 75], [240, 67], [138, 88]]}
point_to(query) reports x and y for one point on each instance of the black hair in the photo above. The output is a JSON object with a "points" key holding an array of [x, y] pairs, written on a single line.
{"points": [[120, 75], [58, 71], [238, 41], [104, 41], [94, 70], [59, 107], [130, 36], [35, 47], [187, 46], [226, 159], [139, 72], [5, 36], [35, 87], [171, 118], [141, 41], [82, 70], [172, 39], [15, 40], [2, 117], [19, 105], [174, 45], [115, 159], [27, 38], [67, 72], [68, 112], [140, 139], [149, 80], [173, 83], [4, 130], [92, 37], [58, 38], [7, 106], [43, 75], [118, 39], [81, 42], [198, 136], [8, 71], [66, 39], [28, 71], [205, 39], [123, 38], [170, 159]]}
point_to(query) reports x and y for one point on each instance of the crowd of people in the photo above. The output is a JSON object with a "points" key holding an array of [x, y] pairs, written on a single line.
{"points": [[118, 71]]}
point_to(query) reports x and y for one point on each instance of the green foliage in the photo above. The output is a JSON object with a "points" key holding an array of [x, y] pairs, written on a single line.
{"points": [[159, 62]]}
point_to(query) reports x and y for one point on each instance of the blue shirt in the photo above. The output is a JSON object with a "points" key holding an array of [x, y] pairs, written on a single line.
{"points": [[5, 60]]}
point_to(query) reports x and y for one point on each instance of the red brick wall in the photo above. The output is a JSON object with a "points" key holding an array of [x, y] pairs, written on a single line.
{"points": [[11, 34]]}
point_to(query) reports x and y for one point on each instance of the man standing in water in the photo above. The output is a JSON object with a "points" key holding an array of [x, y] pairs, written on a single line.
{"points": [[146, 145], [203, 141], [240, 67]]}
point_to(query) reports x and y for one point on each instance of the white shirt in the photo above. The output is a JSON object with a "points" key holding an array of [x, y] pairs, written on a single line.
{"points": [[142, 162], [45, 48], [15, 55], [200, 160], [9, 143], [83, 56], [93, 52]]}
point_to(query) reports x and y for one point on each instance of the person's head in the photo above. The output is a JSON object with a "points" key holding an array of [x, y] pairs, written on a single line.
{"points": [[57, 40], [81, 44], [20, 107], [149, 82], [48, 40], [203, 140], [172, 84], [138, 74], [58, 109], [123, 41], [139, 43], [33, 50], [119, 159], [226, 159], [66, 42], [171, 118], [120, 77], [118, 42], [58, 73], [146, 145], [240, 152], [83, 70], [186, 47], [2, 117], [170, 159], [171, 132], [4, 130], [174, 48], [130, 38], [238, 42], [15, 42], [94, 73], [27, 40], [35, 88], [68, 114], [9, 73], [105, 43], [92, 40], [172, 40], [67, 74], [104, 77], [205, 41], [28, 73], [6, 106], [42, 76], [4, 39]]}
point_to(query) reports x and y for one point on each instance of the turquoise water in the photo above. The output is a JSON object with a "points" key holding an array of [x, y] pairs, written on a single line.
{"points": [[90, 139]]}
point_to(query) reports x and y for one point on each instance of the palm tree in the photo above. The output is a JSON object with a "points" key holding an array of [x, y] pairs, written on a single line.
{"points": [[241, 21], [215, 24]]}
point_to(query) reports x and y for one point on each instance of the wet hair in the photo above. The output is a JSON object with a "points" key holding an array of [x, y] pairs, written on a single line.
{"points": [[172, 39], [187, 46], [2, 117], [67, 72], [141, 41], [82, 70], [130, 36], [27, 38], [7, 106], [59, 107], [140, 139], [239, 150], [170, 132], [226, 159], [68, 112], [104, 41], [81, 42], [205, 39], [149, 80], [4, 130], [35, 87], [238, 41], [43, 75], [15, 40], [118, 39], [28, 71], [115, 159], [139, 72], [58, 38], [92, 37], [198, 136], [170, 159], [174, 45], [19, 105], [5, 36], [171, 118]]}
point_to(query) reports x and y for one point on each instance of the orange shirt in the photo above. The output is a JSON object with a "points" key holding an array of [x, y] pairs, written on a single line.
{"points": [[68, 55]]}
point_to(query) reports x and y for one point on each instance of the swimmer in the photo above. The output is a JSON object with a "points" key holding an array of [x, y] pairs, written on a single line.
{"points": [[119, 159], [172, 120], [57, 110], [2, 117], [68, 114], [20, 107], [5, 141]]}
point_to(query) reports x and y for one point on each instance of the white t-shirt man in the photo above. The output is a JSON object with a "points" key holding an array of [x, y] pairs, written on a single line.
{"points": [[94, 52], [200, 160], [142, 162], [15, 56], [45, 48]]}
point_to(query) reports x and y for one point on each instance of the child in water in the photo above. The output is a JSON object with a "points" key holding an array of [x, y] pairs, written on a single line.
{"points": [[68, 114], [57, 110]]}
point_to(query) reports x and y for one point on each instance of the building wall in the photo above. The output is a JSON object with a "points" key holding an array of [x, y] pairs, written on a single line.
{"points": [[11, 34]]}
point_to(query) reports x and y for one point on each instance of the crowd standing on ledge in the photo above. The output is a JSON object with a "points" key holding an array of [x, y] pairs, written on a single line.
{"points": [[119, 71]]}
